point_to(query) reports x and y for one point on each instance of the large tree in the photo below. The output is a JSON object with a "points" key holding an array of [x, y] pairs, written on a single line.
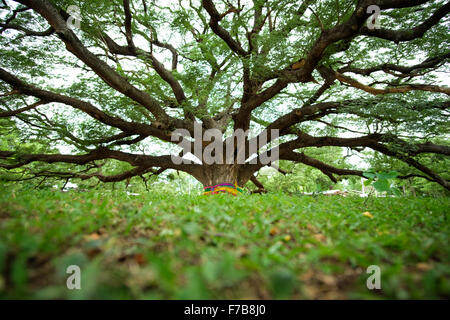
{"points": [[133, 71]]}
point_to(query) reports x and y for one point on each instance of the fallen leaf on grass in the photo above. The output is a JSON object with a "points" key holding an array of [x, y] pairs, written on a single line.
{"points": [[320, 237], [92, 236], [311, 228], [242, 251], [423, 266], [274, 231], [326, 279], [92, 252], [139, 258], [367, 214]]}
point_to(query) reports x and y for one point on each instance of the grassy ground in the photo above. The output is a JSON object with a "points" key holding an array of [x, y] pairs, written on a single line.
{"points": [[160, 246]]}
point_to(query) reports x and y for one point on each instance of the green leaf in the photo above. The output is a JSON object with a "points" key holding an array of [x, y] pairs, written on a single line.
{"points": [[388, 175], [369, 175], [382, 185]]}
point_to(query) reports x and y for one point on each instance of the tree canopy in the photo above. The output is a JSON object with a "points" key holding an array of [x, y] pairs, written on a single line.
{"points": [[113, 79]]}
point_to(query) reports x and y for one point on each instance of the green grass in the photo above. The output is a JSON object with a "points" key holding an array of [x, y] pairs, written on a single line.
{"points": [[164, 246]]}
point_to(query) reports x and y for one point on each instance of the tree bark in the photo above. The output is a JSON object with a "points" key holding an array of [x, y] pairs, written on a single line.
{"points": [[223, 173]]}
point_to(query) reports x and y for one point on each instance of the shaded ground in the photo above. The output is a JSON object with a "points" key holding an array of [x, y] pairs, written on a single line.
{"points": [[161, 246]]}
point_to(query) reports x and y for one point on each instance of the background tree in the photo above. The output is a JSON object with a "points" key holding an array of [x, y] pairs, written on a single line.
{"points": [[117, 87], [414, 185]]}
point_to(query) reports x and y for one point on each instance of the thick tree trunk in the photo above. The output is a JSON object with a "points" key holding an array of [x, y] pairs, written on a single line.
{"points": [[224, 173], [216, 174]]}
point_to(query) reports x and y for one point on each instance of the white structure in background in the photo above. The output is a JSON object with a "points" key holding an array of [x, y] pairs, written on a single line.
{"points": [[363, 191], [69, 186], [133, 194]]}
